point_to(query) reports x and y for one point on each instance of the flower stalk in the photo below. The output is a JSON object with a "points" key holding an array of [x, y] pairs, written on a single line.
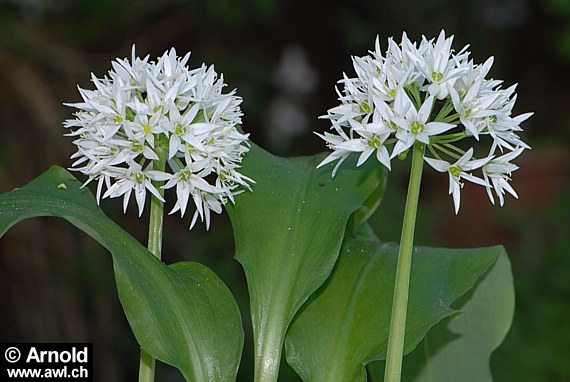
{"points": [[147, 362], [268, 354], [146, 367], [397, 332]]}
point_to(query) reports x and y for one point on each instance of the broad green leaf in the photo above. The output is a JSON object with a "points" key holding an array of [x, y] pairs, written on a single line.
{"points": [[182, 315], [459, 348], [360, 216], [345, 324], [288, 233]]}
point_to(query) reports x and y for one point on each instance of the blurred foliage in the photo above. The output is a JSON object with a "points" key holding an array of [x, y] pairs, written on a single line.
{"points": [[58, 283], [561, 8]]}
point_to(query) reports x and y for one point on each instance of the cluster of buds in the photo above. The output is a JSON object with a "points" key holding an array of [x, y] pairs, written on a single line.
{"points": [[159, 124], [427, 94]]}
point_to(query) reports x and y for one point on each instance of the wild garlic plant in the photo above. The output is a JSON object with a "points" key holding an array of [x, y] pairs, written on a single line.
{"points": [[149, 126], [417, 96], [320, 282]]}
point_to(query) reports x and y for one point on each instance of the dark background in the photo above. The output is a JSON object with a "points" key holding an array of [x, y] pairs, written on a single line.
{"points": [[284, 57]]}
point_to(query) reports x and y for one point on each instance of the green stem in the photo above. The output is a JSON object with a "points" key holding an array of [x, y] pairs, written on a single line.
{"points": [[402, 285], [146, 367], [446, 150], [444, 111], [147, 362], [268, 354], [269, 327]]}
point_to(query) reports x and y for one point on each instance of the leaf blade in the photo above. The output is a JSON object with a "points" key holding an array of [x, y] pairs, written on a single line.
{"points": [[345, 325], [288, 232], [459, 348], [157, 299]]}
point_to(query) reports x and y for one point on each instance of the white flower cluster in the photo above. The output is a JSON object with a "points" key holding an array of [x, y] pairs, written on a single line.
{"points": [[425, 93], [149, 122]]}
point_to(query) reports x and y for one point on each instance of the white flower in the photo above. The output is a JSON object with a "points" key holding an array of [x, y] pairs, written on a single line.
{"points": [[472, 107], [457, 171], [373, 138], [497, 172], [142, 112], [437, 65], [476, 74], [339, 153], [134, 179], [189, 184], [394, 70], [414, 125], [399, 68], [502, 127]]}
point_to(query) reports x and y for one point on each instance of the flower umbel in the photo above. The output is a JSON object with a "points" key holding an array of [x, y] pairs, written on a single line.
{"points": [[142, 111], [427, 94]]}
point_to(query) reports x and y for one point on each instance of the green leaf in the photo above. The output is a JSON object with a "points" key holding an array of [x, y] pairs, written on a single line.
{"points": [[182, 315], [459, 348], [360, 216], [345, 324], [288, 233]]}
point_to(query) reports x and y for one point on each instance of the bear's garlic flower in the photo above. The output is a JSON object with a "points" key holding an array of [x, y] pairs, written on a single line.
{"points": [[426, 93], [145, 111]]}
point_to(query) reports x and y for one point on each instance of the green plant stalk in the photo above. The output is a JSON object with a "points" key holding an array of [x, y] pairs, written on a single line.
{"points": [[147, 362], [268, 351], [397, 332]]}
